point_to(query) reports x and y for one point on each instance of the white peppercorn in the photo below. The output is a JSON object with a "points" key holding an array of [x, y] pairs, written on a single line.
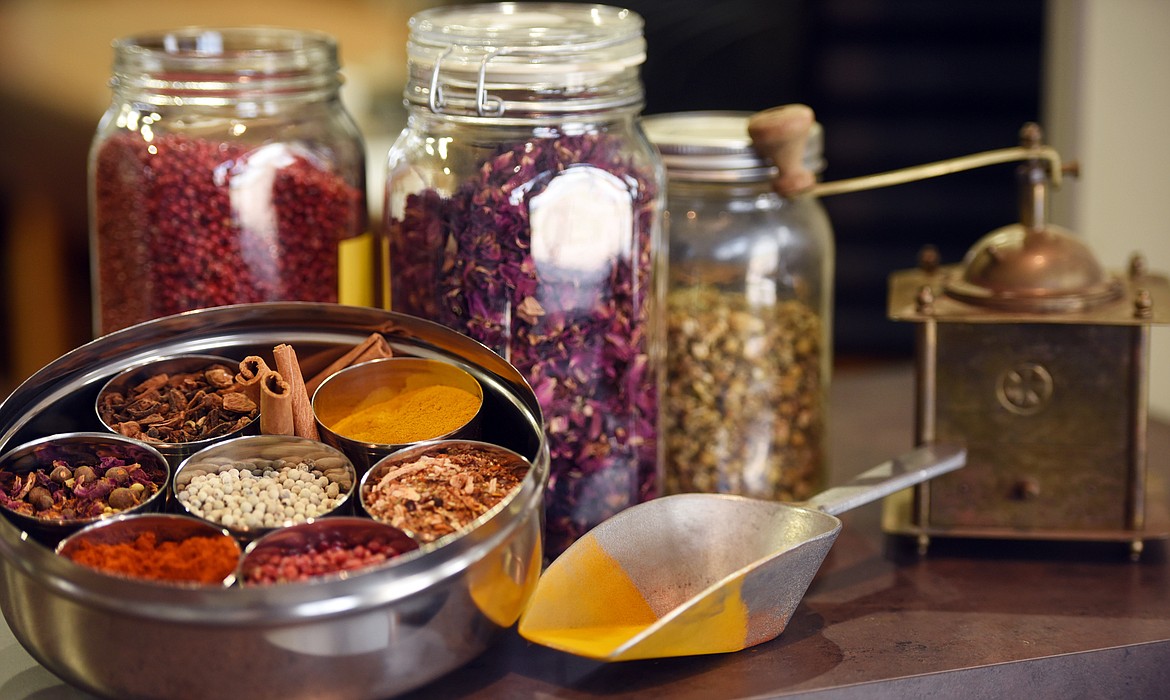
{"points": [[263, 493]]}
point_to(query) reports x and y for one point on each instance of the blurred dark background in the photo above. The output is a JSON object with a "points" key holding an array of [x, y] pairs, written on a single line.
{"points": [[894, 84]]}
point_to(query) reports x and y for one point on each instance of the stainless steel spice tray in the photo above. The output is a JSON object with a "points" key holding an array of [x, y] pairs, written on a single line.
{"points": [[374, 635]]}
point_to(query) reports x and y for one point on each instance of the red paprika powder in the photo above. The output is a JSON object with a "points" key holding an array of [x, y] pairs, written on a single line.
{"points": [[208, 560]]}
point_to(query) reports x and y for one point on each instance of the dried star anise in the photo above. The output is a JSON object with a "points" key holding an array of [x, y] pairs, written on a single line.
{"points": [[178, 408]]}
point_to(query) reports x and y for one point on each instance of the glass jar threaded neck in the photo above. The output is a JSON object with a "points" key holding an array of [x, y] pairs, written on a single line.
{"points": [[205, 66], [509, 62]]}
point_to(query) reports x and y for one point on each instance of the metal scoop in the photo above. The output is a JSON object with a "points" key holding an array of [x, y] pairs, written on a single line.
{"points": [[702, 573]]}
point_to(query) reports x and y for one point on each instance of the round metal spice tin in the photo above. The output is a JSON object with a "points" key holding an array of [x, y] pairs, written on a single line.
{"points": [[372, 636]]}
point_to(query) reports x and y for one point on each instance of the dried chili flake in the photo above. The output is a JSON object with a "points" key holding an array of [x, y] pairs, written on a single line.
{"points": [[582, 337], [437, 494]]}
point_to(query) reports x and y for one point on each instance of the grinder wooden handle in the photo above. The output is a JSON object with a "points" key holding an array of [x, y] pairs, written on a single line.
{"points": [[780, 134]]}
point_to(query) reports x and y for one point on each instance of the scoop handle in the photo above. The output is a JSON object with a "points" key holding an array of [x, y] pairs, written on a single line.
{"points": [[914, 467]]}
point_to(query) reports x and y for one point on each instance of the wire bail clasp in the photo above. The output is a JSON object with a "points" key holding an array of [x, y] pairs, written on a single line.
{"points": [[485, 105]]}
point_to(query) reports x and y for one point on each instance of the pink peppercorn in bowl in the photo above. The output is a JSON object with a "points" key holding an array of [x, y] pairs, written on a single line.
{"points": [[375, 408], [331, 548], [179, 404], [58, 484]]}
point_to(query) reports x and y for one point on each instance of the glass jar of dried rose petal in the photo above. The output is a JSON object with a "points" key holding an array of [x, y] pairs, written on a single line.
{"points": [[226, 170], [523, 208], [748, 309]]}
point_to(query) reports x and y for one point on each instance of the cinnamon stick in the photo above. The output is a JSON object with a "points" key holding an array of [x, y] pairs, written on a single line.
{"points": [[373, 347], [290, 370], [251, 374], [276, 411]]}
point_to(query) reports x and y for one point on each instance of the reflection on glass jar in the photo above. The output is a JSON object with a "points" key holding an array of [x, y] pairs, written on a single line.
{"points": [[226, 170], [523, 209], [748, 316]]}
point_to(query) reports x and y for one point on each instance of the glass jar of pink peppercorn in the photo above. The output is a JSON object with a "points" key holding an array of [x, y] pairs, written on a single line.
{"points": [[226, 170]]}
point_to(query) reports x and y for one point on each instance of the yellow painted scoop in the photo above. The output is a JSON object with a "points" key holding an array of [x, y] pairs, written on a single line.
{"points": [[702, 573]]}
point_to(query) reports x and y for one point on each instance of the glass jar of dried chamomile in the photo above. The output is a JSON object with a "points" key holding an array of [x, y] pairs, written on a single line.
{"points": [[523, 208], [226, 170], [748, 309]]}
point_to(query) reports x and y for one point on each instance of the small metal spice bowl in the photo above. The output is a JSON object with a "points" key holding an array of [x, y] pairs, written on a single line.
{"points": [[145, 418], [331, 548], [440, 488], [58, 484], [140, 540], [253, 484], [410, 385]]}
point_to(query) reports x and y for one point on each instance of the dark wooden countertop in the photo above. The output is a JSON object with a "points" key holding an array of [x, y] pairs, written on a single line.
{"points": [[969, 619]]}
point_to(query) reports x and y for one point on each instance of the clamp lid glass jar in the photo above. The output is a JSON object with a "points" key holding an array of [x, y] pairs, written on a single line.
{"points": [[523, 208], [748, 310], [226, 170]]}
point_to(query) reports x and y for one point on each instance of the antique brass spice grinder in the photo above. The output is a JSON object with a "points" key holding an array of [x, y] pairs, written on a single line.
{"points": [[1036, 358]]}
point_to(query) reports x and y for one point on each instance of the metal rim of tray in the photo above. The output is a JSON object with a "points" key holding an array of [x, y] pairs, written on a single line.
{"points": [[259, 324]]}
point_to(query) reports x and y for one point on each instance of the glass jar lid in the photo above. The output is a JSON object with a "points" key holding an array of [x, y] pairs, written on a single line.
{"points": [[716, 147], [524, 59]]}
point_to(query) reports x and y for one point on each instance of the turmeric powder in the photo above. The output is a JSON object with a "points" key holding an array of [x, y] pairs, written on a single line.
{"points": [[413, 415]]}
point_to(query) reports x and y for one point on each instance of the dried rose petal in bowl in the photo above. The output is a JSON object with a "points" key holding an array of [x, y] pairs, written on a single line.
{"points": [[57, 484], [438, 488]]}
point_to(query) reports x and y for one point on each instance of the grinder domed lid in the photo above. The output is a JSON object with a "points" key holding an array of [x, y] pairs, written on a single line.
{"points": [[1033, 266], [1033, 269]]}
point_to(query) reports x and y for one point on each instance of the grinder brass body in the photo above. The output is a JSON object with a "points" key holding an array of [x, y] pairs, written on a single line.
{"points": [[1036, 359]]}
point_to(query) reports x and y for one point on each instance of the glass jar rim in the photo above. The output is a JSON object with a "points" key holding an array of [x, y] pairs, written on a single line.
{"points": [[253, 50], [218, 66], [715, 146], [524, 59], [532, 36]]}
